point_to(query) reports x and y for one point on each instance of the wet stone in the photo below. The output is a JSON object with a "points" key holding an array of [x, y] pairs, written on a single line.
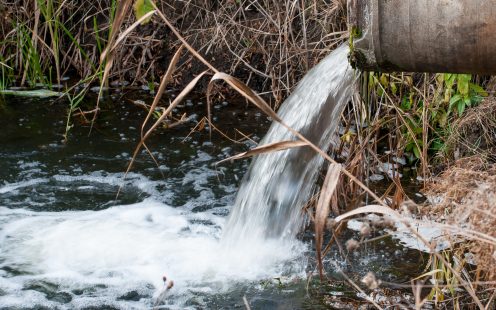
{"points": [[78, 292], [43, 287], [11, 272], [131, 296], [61, 297], [50, 290]]}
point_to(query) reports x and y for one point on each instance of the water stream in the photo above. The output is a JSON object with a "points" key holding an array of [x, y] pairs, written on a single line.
{"points": [[67, 243], [277, 185]]}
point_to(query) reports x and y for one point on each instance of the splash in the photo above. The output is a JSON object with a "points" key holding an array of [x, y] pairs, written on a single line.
{"points": [[116, 257]]}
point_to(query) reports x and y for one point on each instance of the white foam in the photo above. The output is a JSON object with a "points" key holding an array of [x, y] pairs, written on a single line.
{"points": [[11, 187], [427, 229], [126, 248], [114, 179]]}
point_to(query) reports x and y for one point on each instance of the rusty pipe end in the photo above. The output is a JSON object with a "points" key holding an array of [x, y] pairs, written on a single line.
{"points": [[456, 36], [361, 29]]}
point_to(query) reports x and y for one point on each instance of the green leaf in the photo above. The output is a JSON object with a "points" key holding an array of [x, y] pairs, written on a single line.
{"points": [[449, 77], [380, 92], [409, 146], [454, 100], [478, 89], [417, 130], [406, 104], [142, 7], [394, 88], [461, 108], [416, 151], [477, 99], [464, 83], [443, 119], [437, 145], [384, 80], [449, 80]]}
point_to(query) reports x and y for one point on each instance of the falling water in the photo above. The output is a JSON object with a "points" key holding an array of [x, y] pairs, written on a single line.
{"points": [[277, 185]]}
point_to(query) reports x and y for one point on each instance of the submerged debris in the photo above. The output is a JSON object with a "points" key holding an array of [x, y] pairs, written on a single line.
{"points": [[330, 224], [352, 245], [365, 230], [371, 281], [38, 93], [163, 293], [381, 222]]}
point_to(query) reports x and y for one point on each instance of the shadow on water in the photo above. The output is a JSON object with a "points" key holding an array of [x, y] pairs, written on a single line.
{"points": [[57, 252]]}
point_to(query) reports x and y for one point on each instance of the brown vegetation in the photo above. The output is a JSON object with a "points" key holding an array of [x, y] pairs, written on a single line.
{"points": [[268, 44], [465, 196], [475, 133]]}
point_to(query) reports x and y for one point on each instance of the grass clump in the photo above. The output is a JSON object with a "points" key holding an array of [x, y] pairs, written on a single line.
{"points": [[465, 195], [475, 133], [270, 44], [463, 199]]}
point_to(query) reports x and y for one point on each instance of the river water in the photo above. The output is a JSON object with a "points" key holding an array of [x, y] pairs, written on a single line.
{"points": [[67, 242]]}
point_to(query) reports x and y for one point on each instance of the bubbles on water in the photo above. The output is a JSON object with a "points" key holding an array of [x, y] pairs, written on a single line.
{"points": [[120, 254], [66, 242]]}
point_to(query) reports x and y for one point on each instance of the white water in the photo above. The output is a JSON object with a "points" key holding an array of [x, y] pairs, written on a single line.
{"points": [[97, 257], [116, 257], [277, 185]]}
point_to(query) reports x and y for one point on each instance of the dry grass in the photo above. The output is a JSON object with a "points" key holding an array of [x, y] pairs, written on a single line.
{"points": [[475, 132], [270, 44], [465, 196]]}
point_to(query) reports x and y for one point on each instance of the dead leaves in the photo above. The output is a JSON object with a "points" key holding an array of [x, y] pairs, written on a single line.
{"points": [[323, 209], [267, 148]]}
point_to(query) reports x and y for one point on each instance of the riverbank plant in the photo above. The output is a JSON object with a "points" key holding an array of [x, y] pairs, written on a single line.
{"points": [[433, 123], [269, 44]]}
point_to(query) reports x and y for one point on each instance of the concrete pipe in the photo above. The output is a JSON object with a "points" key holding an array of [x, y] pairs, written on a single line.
{"points": [[456, 36]]}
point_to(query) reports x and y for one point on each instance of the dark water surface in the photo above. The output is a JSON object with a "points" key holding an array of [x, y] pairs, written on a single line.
{"points": [[66, 242]]}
